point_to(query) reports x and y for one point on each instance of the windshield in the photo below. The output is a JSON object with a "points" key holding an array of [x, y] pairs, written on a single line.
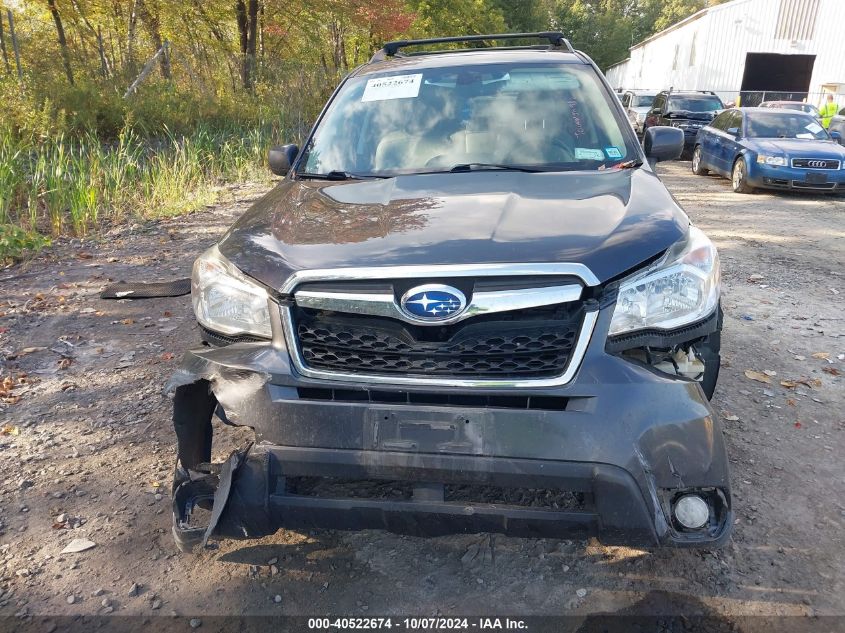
{"points": [[695, 104], [642, 101], [548, 117], [783, 125]]}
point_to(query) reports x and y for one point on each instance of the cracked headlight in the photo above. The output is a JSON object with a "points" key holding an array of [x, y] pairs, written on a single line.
{"points": [[780, 161], [227, 301], [682, 287]]}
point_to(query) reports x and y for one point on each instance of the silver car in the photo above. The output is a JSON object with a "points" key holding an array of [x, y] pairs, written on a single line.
{"points": [[637, 103]]}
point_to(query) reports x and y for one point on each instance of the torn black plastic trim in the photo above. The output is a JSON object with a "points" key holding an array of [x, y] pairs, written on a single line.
{"points": [[193, 406], [237, 498], [216, 339], [666, 338]]}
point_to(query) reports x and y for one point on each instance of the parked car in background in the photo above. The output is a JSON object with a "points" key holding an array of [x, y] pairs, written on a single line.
{"points": [[837, 124], [809, 108], [637, 103], [774, 149], [688, 111]]}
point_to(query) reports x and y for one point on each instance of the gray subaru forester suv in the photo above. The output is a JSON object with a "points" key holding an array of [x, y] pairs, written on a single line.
{"points": [[470, 305]]}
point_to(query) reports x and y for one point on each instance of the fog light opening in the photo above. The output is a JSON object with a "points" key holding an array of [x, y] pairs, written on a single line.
{"points": [[692, 512]]}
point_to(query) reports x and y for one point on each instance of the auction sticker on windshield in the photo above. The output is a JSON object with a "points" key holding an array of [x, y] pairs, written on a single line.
{"points": [[396, 87], [583, 153]]}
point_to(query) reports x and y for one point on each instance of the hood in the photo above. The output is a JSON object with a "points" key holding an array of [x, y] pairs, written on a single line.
{"points": [[797, 147], [610, 221]]}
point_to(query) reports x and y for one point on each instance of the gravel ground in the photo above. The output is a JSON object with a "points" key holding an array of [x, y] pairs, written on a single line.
{"points": [[86, 451]]}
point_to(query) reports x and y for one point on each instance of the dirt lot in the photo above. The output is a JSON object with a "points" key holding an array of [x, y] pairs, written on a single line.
{"points": [[86, 434]]}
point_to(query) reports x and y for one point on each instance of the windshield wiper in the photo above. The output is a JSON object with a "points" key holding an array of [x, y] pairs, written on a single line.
{"points": [[630, 164], [336, 174], [483, 166]]}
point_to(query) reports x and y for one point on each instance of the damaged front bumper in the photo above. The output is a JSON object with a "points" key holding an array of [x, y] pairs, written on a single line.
{"points": [[605, 455]]}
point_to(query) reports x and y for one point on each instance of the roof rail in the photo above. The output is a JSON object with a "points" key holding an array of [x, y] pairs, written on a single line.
{"points": [[704, 92], [391, 49]]}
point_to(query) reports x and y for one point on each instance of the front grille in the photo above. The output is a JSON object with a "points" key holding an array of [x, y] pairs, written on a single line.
{"points": [[816, 163], [439, 399], [531, 343], [465, 494]]}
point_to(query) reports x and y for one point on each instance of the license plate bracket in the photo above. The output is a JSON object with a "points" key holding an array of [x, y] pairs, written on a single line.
{"points": [[426, 430], [816, 179]]}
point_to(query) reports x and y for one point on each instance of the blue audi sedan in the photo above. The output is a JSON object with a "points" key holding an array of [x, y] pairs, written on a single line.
{"points": [[772, 149]]}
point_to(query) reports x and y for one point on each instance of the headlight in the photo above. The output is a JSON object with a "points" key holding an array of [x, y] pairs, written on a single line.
{"points": [[780, 161], [225, 300], [680, 288]]}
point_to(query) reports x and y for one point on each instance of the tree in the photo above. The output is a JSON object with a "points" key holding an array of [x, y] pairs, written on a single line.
{"points": [[456, 17], [60, 32], [6, 63], [601, 28], [246, 12], [150, 14], [525, 16]]}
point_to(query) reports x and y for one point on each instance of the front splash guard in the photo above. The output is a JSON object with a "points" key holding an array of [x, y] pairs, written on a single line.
{"points": [[237, 497]]}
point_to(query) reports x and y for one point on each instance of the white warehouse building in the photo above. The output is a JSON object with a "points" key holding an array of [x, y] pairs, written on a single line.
{"points": [[752, 50]]}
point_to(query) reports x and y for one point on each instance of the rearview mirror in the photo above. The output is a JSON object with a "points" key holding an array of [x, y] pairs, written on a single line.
{"points": [[281, 158], [733, 131], [663, 143]]}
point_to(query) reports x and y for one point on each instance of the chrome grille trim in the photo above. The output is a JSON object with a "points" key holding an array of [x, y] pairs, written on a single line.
{"points": [[827, 162], [454, 270], [443, 270], [482, 302]]}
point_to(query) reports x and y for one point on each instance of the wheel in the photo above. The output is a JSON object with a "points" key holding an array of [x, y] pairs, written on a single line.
{"points": [[697, 169], [739, 177]]}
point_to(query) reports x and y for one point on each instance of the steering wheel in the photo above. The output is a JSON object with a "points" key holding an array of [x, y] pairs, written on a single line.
{"points": [[436, 161], [565, 151]]}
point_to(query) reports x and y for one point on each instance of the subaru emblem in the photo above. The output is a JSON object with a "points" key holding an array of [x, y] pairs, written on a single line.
{"points": [[433, 303]]}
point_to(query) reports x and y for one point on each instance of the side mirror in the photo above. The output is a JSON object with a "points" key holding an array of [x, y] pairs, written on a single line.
{"points": [[836, 136], [733, 131], [281, 158], [663, 143]]}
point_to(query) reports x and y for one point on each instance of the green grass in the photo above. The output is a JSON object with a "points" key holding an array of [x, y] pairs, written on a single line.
{"points": [[72, 186]]}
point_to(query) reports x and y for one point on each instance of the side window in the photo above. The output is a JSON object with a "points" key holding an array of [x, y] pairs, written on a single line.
{"points": [[736, 120], [842, 112], [721, 121]]}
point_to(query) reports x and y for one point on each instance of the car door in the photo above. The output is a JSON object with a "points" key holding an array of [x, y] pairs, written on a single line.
{"points": [[730, 144], [724, 143], [626, 103], [837, 124], [713, 148], [653, 117]]}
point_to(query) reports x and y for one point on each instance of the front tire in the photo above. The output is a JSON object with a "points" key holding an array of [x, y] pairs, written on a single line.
{"points": [[739, 177], [697, 169]]}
